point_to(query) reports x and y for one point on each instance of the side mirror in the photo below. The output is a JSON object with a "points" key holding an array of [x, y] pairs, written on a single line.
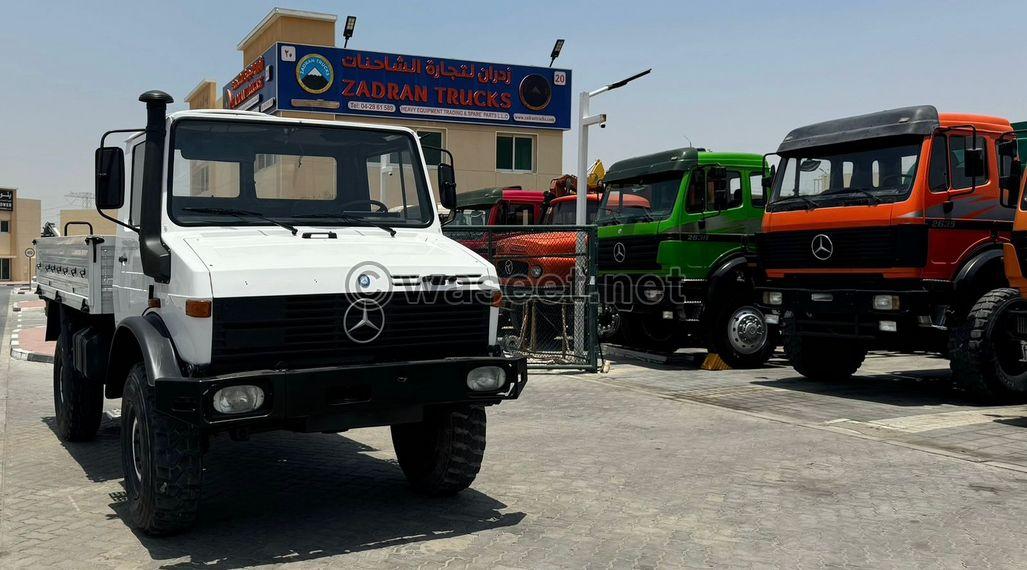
{"points": [[447, 186], [110, 178], [973, 163], [1009, 185]]}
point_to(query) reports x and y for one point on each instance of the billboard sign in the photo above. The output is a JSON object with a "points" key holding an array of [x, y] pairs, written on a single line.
{"points": [[361, 83], [6, 200]]}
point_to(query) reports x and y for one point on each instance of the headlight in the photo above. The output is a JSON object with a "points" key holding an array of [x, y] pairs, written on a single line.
{"points": [[653, 295], [486, 378], [535, 271], [886, 302], [238, 399], [772, 298]]}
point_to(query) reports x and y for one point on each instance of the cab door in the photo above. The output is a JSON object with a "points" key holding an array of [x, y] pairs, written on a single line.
{"points": [[725, 223], [130, 285]]}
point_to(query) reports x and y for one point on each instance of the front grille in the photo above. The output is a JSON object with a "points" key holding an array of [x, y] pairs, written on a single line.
{"points": [[629, 253], [899, 246], [300, 331]]}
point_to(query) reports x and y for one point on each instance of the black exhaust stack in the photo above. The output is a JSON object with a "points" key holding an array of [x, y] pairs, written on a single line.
{"points": [[154, 254]]}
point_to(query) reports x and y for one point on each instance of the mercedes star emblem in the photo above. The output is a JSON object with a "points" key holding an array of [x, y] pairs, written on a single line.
{"points": [[508, 267], [619, 252], [364, 280], [822, 247], [363, 321]]}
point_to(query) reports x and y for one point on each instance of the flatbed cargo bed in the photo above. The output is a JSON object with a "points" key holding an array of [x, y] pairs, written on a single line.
{"points": [[77, 271]]}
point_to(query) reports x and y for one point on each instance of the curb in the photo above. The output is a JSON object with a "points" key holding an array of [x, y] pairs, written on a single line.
{"points": [[19, 354]]}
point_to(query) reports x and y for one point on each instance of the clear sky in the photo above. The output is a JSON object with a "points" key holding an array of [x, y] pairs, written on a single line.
{"points": [[729, 75]]}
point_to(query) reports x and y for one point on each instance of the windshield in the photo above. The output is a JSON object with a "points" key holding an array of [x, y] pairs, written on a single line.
{"points": [[565, 213], [875, 171], [646, 199], [470, 217], [255, 173]]}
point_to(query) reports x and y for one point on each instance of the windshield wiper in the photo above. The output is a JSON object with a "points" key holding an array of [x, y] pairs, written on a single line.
{"points": [[240, 214], [873, 198], [352, 220], [810, 204]]}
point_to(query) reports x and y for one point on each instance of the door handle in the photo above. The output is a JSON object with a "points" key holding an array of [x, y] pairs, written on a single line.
{"points": [[123, 259]]}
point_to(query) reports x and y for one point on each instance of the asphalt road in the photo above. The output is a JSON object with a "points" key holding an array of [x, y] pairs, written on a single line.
{"points": [[648, 466]]}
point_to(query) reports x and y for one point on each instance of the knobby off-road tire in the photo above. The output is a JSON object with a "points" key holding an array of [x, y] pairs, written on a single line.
{"points": [[78, 401], [442, 454], [161, 457], [741, 336], [985, 361], [822, 359]]}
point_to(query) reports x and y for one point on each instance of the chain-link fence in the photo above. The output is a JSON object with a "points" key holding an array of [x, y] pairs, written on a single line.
{"points": [[547, 274]]}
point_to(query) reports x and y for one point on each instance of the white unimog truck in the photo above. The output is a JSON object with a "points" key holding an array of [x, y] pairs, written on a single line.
{"points": [[266, 274]]}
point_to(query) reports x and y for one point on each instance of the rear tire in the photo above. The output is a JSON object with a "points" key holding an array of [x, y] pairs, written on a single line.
{"points": [[741, 336], [161, 457], [823, 359], [442, 454], [986, 360], [78, 401]]}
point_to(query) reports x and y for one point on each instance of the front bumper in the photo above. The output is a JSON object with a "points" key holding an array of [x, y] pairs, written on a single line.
{"points": [[628, 293], [337, 398], [850, 314]]}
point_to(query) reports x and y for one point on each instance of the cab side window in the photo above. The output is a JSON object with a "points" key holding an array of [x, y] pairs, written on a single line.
{"points": [[756, 189], [957, 151], [135, 197], [734, 189], [521, 215], [696, 200]]}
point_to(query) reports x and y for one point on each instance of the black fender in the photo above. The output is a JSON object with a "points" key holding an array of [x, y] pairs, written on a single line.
{"points": [[730, 277], [984, 271], [53, 320], [141, 339]]}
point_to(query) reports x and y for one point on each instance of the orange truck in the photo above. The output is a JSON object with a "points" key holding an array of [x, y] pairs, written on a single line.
{"points": [[883, 231]]}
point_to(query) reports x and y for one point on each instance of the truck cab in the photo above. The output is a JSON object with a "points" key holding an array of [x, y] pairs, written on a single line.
{"points": [[271, 274], [679, 271], [882, 231]]}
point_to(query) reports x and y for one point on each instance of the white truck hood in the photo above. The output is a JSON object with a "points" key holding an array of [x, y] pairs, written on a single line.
{"points": [[265, 262]]}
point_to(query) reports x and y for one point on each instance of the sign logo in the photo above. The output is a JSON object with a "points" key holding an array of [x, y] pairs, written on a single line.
{"points": [[535, 92], [620, 253], [315, 74], [822, 247], [364, 321]]}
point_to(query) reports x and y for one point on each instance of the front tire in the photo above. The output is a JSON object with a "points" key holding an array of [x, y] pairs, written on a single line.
{"points": [[161, 457], [741, 336], [442, 454], [648, 332], [78, 401], [823, 359], [987, 360]]}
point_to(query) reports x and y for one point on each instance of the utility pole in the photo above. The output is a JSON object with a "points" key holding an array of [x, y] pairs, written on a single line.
{"points": [[581, 273]]}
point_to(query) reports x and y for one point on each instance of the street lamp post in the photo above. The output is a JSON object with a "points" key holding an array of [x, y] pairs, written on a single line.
{"points": [[585, 120]]}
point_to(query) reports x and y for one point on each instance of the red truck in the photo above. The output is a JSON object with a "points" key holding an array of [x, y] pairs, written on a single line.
{"points": [[501, 206]]}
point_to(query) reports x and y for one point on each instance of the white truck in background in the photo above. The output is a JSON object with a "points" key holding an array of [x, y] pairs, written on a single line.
{"points": [[271, 273]]}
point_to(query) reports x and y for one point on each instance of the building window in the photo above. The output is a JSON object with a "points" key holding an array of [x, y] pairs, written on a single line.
{"points": [[515, 153], [5, 226], [436, 139], [5, 269]]}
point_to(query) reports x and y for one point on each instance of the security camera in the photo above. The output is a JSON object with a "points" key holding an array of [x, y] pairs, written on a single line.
{"points": [[602, 123]]}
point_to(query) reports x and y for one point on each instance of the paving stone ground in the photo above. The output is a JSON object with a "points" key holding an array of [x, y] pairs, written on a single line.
{"points": [[643, 467]]}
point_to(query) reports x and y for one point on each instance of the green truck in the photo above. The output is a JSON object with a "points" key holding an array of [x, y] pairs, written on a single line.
{"points": [[677, 262]]}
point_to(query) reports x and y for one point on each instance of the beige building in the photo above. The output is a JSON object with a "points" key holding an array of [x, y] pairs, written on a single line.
{"points": [[19, 225], [99, 224], [485, 155]]}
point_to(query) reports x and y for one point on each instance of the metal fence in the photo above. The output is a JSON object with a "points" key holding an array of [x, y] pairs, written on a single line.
{"points": [[548, 278]]}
